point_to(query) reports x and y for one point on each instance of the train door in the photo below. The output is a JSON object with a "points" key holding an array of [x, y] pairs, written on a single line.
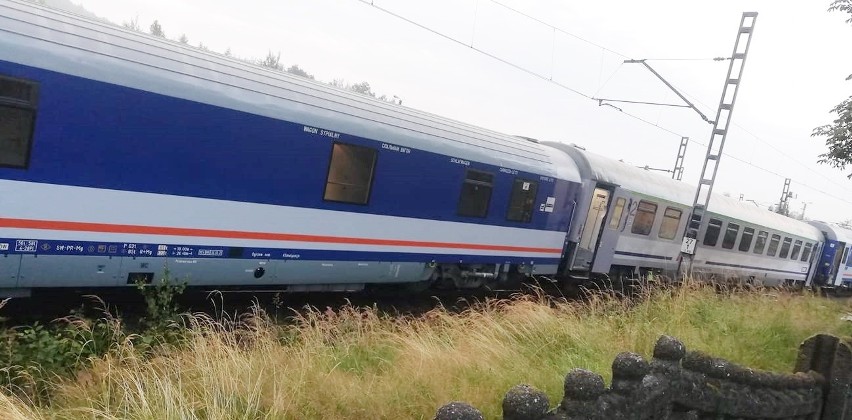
{"points": [[610, 231], [839, 265], [813, 264], [835, 252], [593, 226]]}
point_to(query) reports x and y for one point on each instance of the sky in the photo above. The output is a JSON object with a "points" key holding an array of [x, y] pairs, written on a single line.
{"points": [[530, 71]]}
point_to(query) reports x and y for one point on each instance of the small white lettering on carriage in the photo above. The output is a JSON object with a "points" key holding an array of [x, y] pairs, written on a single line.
{"points": [[545, 178], [396, 148], [331, 134], [509, 171], [460, 161], [311, 130], [292, 256], [4, 247]]}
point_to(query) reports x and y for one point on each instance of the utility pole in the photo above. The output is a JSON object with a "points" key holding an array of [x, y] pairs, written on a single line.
{"points": [[784, 203], [717, 138], [804, 207], [677, 173]]}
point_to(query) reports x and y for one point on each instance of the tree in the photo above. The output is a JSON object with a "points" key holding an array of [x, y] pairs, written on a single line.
{"points": [[838, 134], [183, 39], [228, 52], [843, 6], [362, 88], [272, 61], [157, 30], [295, 69], [133, 24]]}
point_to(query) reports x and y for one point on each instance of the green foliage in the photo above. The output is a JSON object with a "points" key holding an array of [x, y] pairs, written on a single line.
{"points": [[298, 71], [132, 24], [35, 356], [157, 29], [838, 136], [161, 309], [272, 61], [842, 6]]}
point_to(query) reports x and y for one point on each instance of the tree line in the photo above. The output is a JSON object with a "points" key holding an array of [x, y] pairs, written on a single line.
{"points": [[271, 61]]}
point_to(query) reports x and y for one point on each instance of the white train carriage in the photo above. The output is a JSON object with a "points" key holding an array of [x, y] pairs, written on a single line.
{"points": [[742, 241], [123, 153], [631, 221]]}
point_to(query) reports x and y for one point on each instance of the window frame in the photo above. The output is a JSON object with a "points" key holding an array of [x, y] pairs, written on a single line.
{"points": [[785, 247], [533, 188], [28, 105], [727, 238], [761, 239], [806, 251], [717, 225], [797, 248], [748, 232], [774, 241], [372, 174], [653, 218], [667, 217], [618, 209], [467, 180]]}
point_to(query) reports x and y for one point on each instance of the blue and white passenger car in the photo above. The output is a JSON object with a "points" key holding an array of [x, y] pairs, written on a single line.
{"points": [[834, 269], [123, 154]]}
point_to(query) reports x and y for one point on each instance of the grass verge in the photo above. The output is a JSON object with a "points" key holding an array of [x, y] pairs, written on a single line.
{"points": [[357, 363]]}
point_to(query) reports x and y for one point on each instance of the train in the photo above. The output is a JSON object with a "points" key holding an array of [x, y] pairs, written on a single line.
{"points": [[126, 157]]}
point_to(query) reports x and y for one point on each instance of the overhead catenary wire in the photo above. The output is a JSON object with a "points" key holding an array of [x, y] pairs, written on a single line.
{"points": [[773, 147], [511, 64], [555, 28], [591, 97]]}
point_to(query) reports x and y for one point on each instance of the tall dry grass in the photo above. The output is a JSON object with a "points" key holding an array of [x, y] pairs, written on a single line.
{"points": [[357, 363]]}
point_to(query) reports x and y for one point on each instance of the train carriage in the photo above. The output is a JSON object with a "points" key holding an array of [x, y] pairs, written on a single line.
{"points": [[834, 268], [631, 221], [123, 155]]}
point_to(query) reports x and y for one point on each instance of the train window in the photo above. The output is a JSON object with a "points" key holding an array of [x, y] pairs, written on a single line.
{"points": [[522, 200], [745, 242], [671, 220], [18, 100], [731, 234], [350, 174], [845, 254], [806, 253], [475, 194], [711, 236], [773, 245], [644, 219], [796, 247], [760, 243], [617, 212], [785, 248]]}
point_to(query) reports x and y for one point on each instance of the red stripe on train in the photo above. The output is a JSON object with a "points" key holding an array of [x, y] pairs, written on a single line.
{"points": [[235, 234]]}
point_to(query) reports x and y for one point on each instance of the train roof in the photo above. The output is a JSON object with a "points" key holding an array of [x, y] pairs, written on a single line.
{"points": [[610, 171], [54, 40], [833, 231]]}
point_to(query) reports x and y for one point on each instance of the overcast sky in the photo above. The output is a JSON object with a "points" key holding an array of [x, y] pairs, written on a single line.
{"points": [[795, 72]]}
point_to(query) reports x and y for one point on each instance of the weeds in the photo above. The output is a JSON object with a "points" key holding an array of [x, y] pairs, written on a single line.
{"points": [[359, 363]]}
